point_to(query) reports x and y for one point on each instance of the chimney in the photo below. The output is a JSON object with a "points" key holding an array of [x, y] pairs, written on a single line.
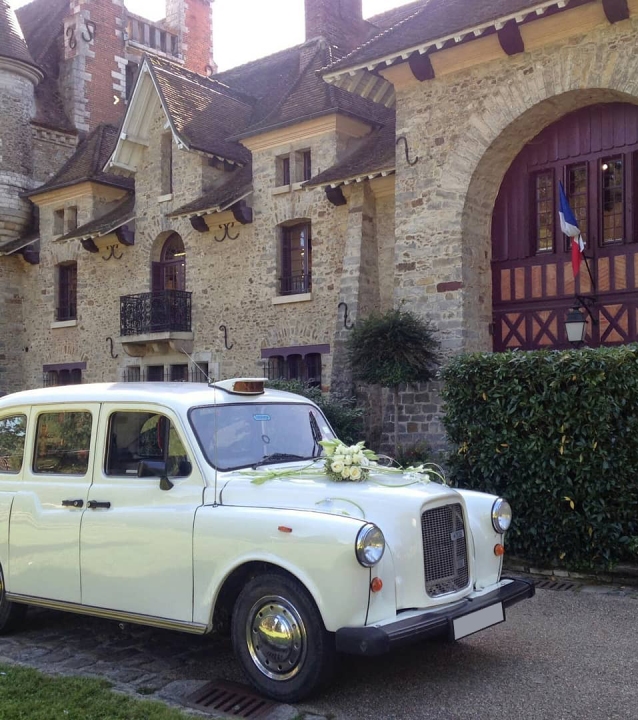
{"points": [[192, 20], [340, 22]]}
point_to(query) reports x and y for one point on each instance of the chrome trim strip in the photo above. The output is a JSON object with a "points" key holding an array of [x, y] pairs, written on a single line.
{"points": [[194, 628]]}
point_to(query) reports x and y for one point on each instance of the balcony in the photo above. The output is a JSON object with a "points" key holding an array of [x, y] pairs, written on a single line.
{"points": [[295, 284], [156, 322]]}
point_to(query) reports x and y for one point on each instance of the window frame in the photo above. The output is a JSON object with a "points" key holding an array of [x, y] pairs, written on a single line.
{"points": [[286, 281], [67, 292], [16, 416], [62, 411], [535, 201], [623, 157]]}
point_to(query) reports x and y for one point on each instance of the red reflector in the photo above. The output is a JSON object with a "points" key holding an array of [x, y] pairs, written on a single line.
{"points": [[376, 584], [499, 550], [284, 529]]}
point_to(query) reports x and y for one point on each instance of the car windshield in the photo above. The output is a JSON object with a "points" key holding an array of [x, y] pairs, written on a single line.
{"points": [[252, 434]]}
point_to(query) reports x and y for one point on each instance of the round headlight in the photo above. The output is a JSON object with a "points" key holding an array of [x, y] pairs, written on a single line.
{"points": [[501, 515], [370, 545]]}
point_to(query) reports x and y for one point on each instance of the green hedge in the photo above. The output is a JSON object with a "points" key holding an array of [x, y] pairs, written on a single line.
{"points": [[556, 433]]}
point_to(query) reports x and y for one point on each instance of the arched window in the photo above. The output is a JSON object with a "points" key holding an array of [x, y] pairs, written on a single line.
{"points": [[170, 272]]}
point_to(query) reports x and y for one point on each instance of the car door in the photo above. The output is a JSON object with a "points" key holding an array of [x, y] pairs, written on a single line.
{"points": [[46, 513], [137, 532]]}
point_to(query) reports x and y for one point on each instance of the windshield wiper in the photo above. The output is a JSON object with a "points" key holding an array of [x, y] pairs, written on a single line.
{"points": [[277, 457]]}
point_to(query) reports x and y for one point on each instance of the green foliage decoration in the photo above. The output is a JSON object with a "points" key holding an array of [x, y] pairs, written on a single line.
{"points": [[556, 433], [342, 413], [393, 349]]}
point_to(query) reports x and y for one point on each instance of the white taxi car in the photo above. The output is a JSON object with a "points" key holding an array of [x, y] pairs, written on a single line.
{"points": [[138, 502]]}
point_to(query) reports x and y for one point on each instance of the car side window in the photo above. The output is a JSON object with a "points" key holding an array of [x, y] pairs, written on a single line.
{"points": [[63, 441], [12, 433], [137, 436]]}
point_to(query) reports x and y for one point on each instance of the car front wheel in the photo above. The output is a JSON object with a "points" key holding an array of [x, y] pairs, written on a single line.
{"points": [[279, 638], [11, 615]]}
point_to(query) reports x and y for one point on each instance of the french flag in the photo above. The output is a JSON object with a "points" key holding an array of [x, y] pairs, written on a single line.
{"points": [[569, 225]]}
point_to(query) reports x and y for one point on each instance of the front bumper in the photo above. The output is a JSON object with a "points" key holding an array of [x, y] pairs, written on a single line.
{"points": [[379, 639]]}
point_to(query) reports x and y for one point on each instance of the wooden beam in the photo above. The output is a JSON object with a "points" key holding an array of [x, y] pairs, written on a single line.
{"points": [[126, 235], [336, 196], [242, 213], [199, 224], [30, 254], [421, 67], [616, 10], [510, 38], [90, 245]]}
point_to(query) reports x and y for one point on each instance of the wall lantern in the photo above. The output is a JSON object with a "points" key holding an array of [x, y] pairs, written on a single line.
{"points": [[576, 320], [575, 326]]}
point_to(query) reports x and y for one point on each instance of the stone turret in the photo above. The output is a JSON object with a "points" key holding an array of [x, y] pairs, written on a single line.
{"points": [[19, 76]]}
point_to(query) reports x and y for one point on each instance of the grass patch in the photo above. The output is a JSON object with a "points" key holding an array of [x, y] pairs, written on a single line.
{"points": [[26, 694]]}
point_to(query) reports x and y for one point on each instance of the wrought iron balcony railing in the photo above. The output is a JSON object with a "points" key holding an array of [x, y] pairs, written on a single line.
{"points": [[155, 312], [295, 284]]}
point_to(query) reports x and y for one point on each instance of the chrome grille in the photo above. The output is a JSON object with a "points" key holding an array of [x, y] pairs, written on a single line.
{"points": [[444, 550]]}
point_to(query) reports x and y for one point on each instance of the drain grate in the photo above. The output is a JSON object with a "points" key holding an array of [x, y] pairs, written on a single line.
{"points": [[554, 585], [233, 700]]}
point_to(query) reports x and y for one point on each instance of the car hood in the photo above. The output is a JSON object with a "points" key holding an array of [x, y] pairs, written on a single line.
{"points": [[375, 500]]}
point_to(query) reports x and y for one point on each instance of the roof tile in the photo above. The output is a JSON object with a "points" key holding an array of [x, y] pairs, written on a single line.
{"points": [[87, 163], [223, 196]]}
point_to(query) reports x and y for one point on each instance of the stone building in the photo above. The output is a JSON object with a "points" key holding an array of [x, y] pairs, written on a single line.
{"points": [[248, 217]]}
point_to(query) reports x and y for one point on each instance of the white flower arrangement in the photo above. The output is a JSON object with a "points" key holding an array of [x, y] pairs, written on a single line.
{"points": [[350, 463]]}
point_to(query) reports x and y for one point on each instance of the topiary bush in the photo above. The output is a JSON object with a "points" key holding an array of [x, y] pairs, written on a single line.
{"points": [[556, 433], [342, 412]]}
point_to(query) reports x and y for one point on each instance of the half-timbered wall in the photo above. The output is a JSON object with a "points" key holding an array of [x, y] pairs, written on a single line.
{"points": [[593, 152]]}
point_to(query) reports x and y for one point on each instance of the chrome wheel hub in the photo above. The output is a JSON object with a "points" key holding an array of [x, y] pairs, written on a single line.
{"points": [[276, 637]]}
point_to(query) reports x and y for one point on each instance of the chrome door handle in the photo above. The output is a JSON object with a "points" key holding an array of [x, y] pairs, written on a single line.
{"points": [[95, 504], [73, 503]]}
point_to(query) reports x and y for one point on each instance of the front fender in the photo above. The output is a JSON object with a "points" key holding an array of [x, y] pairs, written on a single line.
{"points": [[319, 552], [487, 566]]}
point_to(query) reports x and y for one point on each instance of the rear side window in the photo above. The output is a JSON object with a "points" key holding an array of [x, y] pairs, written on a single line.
{"points": [[63, 440], [12, 432], [136, 436]]}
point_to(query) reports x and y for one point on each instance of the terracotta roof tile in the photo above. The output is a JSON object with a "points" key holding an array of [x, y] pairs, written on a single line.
{"points": [[429, 21], [309, 97], [87, 163], [123, 213], [204, 111], [235, 188], [375, 154]]}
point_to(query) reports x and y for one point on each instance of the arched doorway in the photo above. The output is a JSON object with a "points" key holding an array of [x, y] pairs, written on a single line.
{"points": [[594, 153], [170, 272]]}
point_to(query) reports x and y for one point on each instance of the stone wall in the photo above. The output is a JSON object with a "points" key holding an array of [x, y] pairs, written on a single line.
{"points": [[51, 149]]}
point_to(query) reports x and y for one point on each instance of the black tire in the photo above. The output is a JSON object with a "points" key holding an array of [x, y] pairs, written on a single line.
{"points": [[291, 667], [11, 614]]}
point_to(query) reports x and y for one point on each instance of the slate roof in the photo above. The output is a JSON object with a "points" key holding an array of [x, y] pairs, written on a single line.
{"points": [[12, 42], [429, 21], [222, 197], [11, 246], [387, 19], [87, 163], [204, 111], [107, 223], [42, 22], [374, 155], [308, 96]]}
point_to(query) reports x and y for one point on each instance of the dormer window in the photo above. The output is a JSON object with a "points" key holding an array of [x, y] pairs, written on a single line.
{"points": [[167, 163], [58, 222], [306, 162]]}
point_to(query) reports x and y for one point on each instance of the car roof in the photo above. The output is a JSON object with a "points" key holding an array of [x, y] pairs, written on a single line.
{"points": [[177, 395]]}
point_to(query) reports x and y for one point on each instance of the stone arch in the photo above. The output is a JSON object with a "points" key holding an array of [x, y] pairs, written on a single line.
{"points": [[479, 164]]}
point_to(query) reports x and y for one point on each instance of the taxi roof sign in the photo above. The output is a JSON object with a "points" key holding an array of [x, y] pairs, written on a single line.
{"points": [[242, 386]]}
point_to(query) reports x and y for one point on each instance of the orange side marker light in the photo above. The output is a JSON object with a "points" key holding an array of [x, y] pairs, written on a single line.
{"points": [[376, 584], [499, 550], [284, 529]]}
